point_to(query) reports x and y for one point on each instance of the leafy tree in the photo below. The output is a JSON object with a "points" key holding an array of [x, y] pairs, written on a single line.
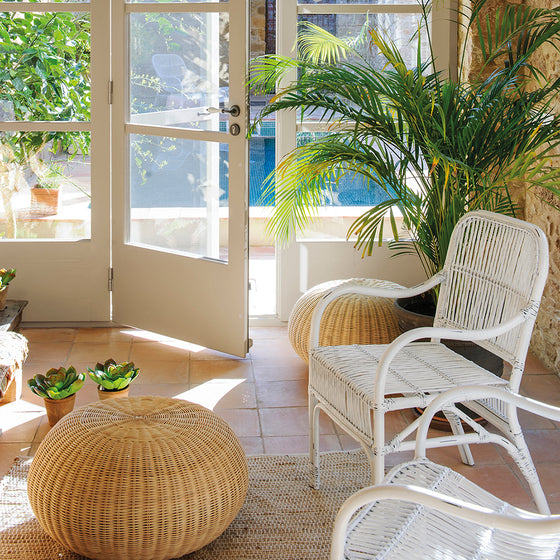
{"points": [[44, 76]]}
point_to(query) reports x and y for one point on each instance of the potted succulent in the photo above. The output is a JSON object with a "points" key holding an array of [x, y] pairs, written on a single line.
{"points": [[44, 194], [58, 387], [6, 276], [113, 379]]}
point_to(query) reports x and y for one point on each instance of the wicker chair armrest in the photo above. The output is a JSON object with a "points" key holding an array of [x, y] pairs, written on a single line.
{"points": [[438, 333], [530, 524], [373, 291], [474, 392]]}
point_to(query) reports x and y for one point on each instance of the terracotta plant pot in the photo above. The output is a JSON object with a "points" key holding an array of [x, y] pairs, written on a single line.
{"points": [[105, 394], [58, 408], [3, 298], [44, 202]]}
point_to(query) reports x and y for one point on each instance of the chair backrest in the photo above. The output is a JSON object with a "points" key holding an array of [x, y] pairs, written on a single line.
{"points": [[495, 267]]}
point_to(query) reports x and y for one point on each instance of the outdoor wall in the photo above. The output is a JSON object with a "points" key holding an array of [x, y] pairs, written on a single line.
{"points": [[545, 213], [546, 340]]}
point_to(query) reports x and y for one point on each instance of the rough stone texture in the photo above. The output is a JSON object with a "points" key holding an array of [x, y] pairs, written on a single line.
{"points": [[539, 207]]}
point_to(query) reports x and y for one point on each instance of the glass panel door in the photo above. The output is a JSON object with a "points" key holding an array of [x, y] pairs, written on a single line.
{"points": [[180, 181]]}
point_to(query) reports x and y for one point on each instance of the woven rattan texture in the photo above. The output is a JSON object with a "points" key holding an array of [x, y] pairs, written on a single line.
{"points": [[395, 530], [144, 478], [283, 518], [350, 319]]}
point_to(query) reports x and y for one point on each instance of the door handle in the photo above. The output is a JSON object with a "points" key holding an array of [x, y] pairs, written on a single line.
{"points": [[234, 110]]}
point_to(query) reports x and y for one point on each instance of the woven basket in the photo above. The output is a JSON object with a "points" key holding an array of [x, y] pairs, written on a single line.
{"points": [[350, 319], [144, 478]]}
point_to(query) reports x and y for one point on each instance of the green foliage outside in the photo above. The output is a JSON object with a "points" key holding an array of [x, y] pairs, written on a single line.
{"points": [[44, 76], [437, 147]]}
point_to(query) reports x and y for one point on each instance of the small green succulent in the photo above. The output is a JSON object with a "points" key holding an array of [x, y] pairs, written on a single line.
{"points": [[112, 376], [6, 276], [57, 383]]}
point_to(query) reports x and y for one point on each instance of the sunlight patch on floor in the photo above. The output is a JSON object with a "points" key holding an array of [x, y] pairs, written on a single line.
{"points": [[175, 343], [209, 394], [19, 412]]}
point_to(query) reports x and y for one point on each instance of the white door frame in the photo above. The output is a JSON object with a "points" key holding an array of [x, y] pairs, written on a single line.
{"points": [[201, 300]]}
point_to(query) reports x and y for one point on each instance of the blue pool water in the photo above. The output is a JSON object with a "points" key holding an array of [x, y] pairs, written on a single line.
{"points": [[163, 178]]}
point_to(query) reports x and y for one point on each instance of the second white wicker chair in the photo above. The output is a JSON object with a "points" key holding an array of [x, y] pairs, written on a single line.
{"points": [[426, 511], [489, 292]]}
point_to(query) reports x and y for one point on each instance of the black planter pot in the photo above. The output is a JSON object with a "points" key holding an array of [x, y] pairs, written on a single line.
{"points": [[409, 320]]}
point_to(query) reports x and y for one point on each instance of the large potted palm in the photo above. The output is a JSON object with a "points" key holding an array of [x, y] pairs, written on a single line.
{"points": [[437, 147]]}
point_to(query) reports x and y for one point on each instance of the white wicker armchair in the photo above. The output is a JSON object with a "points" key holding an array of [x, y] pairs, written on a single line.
{"points": [[489, 292], [426, 511]]}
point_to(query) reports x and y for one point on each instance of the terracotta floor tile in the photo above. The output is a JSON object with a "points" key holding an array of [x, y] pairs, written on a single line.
{"points": [[298, 444], [266, 372], [19, 426], [534, 366], [272, 394], [291, 421], [544, 445], [544, 388], [55, 334], [154, 351], [499, 480], [171, 390], [252, 395], [94, 352], [54, 352], [244, 422], [206, 370], [208, 354], [161, 371], [252, 445], [238, 396], [9, 451], [104, 335]]}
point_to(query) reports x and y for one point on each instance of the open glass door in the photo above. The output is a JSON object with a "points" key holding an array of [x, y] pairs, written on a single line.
{"points": [[179, 170]]}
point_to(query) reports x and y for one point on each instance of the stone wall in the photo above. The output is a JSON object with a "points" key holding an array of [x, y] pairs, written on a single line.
{"points": [[539, 208]]}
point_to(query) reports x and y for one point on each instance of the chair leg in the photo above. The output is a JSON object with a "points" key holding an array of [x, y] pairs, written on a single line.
{"points": [[457, 428], [314, 441], [525, 463]]}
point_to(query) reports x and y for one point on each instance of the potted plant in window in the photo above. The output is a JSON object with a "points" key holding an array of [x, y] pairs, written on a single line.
{"points": [[6, 276], [44, 194], [113, 379], [58, 387], [437, 147]]}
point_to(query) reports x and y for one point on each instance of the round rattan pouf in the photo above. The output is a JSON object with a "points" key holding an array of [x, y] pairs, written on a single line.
{"points": [[143, 478], [350, 319]]}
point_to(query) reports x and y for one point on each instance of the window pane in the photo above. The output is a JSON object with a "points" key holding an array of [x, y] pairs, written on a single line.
{"points": [[179, 68], [367, 2], [46, 196], [179, 195], [44, 66]]}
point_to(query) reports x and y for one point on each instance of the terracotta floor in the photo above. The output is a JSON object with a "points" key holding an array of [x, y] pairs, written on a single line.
{"points": [[263, 398]]}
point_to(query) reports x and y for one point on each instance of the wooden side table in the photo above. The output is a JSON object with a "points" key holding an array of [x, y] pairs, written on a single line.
{"points": [[10, 317]]}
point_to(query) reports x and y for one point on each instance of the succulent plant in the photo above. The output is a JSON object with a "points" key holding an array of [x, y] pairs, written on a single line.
{"points": [[57, 383], [112, 376], [6, 276]]}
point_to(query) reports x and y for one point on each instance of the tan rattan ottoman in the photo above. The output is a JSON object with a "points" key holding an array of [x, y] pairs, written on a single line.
{"points": [[350, 319], [143, 478]]}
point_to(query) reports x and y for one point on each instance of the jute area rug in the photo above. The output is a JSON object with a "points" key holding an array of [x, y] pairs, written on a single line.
{"points": [[283, 518]]}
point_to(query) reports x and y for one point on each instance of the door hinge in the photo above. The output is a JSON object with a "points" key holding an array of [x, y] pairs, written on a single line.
{"points": [[110, 92], [110, 279]]}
